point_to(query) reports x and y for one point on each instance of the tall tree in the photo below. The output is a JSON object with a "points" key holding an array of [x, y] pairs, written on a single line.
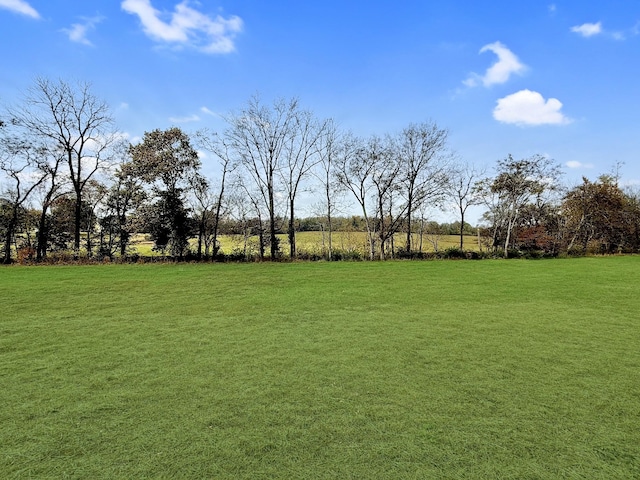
{"points": [[422, 149], [328, 150], [206, 199], [386, 182], [301, 155], [74, 122], [166, 161], [355, 167], [259, 136]]}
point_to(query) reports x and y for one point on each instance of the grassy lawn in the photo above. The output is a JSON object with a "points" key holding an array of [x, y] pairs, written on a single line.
{"points": [[489, 369]]}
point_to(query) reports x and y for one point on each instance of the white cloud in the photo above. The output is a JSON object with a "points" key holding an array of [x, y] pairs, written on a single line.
{"points": [[189, 119], [206, 111], [529, 108], [576, 164], [20, 6], [500, 72], [588, 29], [78, 31], [186, 27], [552, 8]]}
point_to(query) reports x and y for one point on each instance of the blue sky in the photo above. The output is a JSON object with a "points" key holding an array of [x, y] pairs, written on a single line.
{"points": [[504, 77]]}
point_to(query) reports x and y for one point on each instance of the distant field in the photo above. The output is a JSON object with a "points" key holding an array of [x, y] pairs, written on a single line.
{"points": [[312, 242], [444, 369]]}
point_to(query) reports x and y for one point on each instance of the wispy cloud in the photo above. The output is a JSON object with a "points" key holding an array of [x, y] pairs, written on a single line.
{"points": [[574, 164], [187, 119], [529, 108], [186, 26], [19, 6], [78, 31], [500, 72], [588, 29], [553, 8], [206, 111]]}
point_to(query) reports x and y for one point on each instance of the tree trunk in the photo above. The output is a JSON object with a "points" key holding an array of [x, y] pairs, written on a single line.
{"points": [[201, 234], [273, 247], [292, 230], [42, 240], [408, 242], [7, 242], [330, 231], [77, 224]]}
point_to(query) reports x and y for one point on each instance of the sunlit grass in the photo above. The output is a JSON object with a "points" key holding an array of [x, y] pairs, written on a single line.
{"points": [[492, 369], [318, 242]]}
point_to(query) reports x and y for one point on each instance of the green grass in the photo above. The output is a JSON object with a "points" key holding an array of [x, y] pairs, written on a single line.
{"points": [[489, 369]]}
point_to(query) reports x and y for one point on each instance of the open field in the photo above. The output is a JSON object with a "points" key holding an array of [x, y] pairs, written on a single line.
{"points": [[312, 242], [442, 369]]}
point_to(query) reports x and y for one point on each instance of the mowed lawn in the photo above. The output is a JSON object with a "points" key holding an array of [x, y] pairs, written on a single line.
{"points": [[442, 369]]}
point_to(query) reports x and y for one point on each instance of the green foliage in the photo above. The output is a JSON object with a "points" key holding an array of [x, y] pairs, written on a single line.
{"points": [[325, 370]]}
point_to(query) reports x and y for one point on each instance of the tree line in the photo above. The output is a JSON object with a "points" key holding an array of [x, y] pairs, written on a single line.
{"points": [[72, 183]]}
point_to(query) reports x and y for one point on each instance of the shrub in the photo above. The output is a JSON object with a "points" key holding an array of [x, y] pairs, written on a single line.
{"points": [[454, 253], [26, 255]]}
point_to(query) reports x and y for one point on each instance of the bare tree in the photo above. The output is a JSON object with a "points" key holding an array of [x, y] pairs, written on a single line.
{"points": [[250, 214], [49, 191], [328, 150], [385, 179], [213, 143], [73, 121], [355, 167], [94, 193], [259, 136], [301, 155], [463, 190], [19, 160], [422, 149]]}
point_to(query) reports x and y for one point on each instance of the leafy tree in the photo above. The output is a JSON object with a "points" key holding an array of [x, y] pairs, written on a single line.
{"points": [[517, 183], [63, 220], [124, 197], [601, 212], [166, 161], [169, 224]]}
